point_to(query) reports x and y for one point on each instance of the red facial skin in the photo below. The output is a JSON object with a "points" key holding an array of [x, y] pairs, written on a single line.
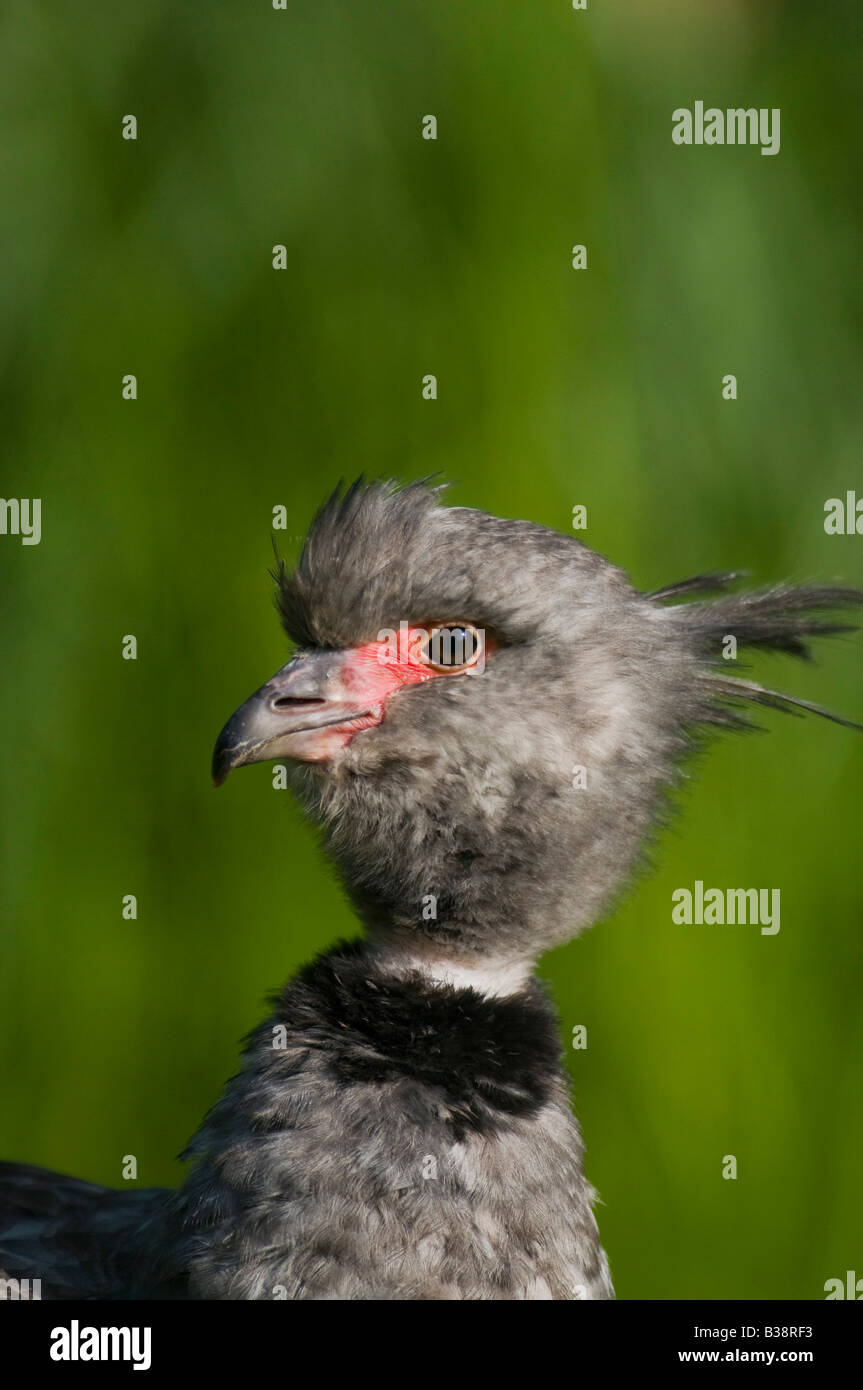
{"points": [[369, 675]]}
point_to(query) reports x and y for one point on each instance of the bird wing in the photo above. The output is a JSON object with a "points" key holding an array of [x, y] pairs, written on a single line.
{"points": [[81, 1240]]}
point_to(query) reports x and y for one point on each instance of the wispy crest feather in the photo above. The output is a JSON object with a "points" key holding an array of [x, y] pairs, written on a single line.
{"points": [[781, 618]]}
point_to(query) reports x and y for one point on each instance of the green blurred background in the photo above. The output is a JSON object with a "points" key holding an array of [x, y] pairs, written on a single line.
{"points": [[556, 387]]}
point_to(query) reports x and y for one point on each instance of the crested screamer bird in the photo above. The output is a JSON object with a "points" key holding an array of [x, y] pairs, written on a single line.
{"points": [[400, 1127]]}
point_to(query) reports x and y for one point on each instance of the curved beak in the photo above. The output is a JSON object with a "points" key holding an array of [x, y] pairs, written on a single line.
{"points": [[287, 716]]}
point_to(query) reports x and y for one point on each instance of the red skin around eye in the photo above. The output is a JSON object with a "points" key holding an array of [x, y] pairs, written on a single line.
{"points": [[369, 675], [372, 672]]}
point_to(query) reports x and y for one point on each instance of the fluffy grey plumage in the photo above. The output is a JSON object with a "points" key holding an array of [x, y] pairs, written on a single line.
{"points": [[401, 1127]]}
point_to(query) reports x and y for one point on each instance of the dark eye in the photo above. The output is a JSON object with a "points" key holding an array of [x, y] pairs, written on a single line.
{"points": [[453, 647]]}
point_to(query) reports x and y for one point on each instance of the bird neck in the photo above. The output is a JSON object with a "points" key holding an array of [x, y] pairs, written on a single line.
{"points": [[479, 873], [494, 978]]}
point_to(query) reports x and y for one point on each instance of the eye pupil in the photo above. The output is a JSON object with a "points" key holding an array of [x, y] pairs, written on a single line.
{"points": [[452, 646]]}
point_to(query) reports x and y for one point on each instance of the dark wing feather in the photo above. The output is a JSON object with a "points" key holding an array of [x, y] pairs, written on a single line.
{"points": [[81, 1240]]}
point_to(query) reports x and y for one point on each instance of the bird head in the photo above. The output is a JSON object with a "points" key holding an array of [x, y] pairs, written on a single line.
{"points": [[483, 714]]}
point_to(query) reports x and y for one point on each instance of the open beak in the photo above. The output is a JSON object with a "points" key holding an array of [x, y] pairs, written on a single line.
{"points": [[304, 712]]}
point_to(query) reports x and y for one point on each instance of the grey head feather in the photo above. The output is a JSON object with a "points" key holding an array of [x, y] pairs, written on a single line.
{"points": [[466, 790]]}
